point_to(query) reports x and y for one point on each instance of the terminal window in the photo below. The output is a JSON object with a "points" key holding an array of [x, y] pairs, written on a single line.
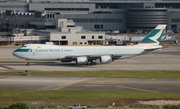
{"points": [[83, 37], [175, 20], [100, 37], [98, 26], [63, 37]]}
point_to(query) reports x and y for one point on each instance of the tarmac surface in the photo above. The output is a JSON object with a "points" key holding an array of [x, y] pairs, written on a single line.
{"points": [[94, 84], [166, 59]]}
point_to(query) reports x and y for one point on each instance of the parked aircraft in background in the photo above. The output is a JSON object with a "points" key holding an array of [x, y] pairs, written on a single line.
{"points": [[87, 55], [168, 37]]}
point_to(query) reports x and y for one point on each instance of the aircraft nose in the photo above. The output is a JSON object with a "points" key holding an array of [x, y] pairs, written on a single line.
{"points": [[14, 53], [20, 53]]}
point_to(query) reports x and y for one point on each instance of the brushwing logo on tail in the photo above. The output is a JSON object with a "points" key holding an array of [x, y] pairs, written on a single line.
{"points": [[156, 36]]}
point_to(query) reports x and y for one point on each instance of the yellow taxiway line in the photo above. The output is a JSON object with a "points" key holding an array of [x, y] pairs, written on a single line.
{"points": [[6, 67], [70, 84], [144, 90]]}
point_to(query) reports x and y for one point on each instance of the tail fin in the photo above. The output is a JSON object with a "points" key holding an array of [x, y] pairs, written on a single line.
{"points": [[173, 31], [154, 37]]}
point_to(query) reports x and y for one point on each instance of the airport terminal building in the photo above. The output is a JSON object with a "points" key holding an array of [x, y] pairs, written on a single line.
{"points": [[93, 15]]}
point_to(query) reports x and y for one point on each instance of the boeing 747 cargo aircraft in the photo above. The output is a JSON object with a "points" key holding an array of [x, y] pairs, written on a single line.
{"points": [[87, 55]]}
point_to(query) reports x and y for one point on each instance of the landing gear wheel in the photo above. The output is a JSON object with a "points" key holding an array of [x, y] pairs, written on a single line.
{"points": [[91, 63], [176, 41], [28, 64], [94, 63]]}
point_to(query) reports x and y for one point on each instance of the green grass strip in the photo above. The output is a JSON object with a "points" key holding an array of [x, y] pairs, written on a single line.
{"points": [[106, 74], [65, 98]]}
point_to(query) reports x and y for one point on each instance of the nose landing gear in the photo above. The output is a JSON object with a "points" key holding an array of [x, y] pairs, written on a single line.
{"points": [[28, 63]]}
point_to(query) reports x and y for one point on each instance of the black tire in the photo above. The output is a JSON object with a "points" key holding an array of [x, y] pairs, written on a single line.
{"points": [[28, 64], [87, 64], [176, 41]]}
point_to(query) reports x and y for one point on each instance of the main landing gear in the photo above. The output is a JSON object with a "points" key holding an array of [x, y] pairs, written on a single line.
{"points": [[28, 63], [91, 63]]}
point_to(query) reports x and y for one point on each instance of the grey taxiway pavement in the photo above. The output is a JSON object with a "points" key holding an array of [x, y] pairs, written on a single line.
{"points": [[94, 84], [166, 59]]}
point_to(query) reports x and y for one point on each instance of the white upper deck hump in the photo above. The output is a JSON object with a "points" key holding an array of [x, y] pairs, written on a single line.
{"points": [[40, 46]]}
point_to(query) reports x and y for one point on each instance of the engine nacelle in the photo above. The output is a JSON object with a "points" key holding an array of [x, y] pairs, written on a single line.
{"points": [[81, 60], [106, 59]]}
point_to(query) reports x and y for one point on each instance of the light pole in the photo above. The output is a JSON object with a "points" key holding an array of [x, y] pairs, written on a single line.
{"points": [[59, 39]]}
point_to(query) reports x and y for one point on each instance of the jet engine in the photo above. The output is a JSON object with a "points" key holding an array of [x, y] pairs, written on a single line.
{"points": [[81, 60], [106, 59]]}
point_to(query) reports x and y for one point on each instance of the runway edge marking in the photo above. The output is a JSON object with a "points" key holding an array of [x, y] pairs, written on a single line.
{"points": [[71, 84]]}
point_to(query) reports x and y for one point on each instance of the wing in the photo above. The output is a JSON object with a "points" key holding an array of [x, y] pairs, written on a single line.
{"points": [[93, 57]]}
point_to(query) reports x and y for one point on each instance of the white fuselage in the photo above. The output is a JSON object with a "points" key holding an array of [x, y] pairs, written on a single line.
{"points": [[53, 52]]}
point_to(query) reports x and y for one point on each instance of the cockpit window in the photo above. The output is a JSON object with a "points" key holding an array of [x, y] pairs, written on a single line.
{"points": [[23, 50]]}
